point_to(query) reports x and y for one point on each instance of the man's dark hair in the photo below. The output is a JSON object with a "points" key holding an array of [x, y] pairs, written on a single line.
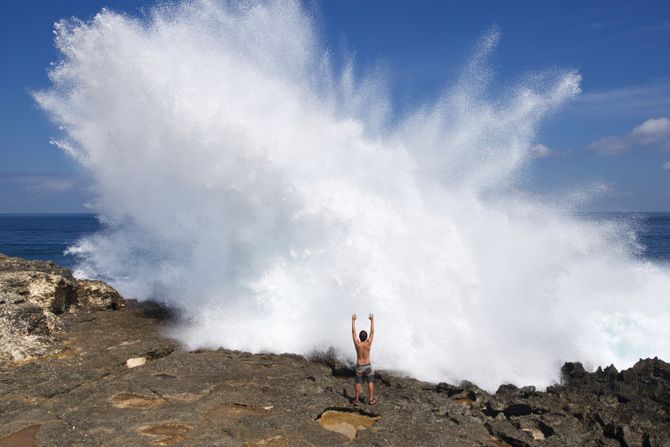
{"points": [[363, 335]]}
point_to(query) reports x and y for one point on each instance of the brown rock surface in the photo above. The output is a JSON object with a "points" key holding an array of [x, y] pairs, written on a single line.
{"points": [[86, 396]]}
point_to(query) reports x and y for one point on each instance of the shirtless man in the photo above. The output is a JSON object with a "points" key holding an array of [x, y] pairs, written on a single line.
{"points": [[364, 371]]}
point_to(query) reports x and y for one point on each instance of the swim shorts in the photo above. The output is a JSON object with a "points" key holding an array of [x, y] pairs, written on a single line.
{"points": [[364, 373]]}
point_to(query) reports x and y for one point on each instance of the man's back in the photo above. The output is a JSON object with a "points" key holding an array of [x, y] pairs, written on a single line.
{"points": [[363, 352], [364, 343]]}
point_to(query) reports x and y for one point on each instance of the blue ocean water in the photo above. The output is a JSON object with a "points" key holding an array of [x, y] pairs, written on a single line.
{"points": [[652, 232], [47, 236], [44, 236]]}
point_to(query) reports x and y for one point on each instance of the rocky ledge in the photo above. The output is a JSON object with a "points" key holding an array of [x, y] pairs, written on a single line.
{"points": [[82, 367]]}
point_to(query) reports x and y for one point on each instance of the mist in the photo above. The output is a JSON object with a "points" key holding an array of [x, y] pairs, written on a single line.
{"points": [[267, 195]]}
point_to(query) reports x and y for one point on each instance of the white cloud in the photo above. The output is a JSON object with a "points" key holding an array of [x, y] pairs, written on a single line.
{"points": [[612, 145], [659, 27], [37, 183], [666, 166], [652, 98], [541, 151], [51, 184], [614, 22], [627, 26], [653, 132]]}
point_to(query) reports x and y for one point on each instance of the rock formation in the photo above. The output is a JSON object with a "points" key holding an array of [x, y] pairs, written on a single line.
{"points": [[79, 373], [32, 295]]}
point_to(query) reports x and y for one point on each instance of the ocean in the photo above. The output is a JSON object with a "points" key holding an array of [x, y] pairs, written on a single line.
{"points": [[47, 236], [44, 236]]}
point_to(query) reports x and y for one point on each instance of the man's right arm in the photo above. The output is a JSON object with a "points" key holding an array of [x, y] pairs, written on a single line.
{"points": [[372, 327]]}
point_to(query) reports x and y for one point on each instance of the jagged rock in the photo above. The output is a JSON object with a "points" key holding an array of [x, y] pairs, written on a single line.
{"points": [[52, 292], [572, 373], [503, 429], [518, 410], [97, 294], [451, 390], [650, 378]]}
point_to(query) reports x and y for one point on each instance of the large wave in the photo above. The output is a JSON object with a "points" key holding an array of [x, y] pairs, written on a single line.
{"points": [[267, 195]]}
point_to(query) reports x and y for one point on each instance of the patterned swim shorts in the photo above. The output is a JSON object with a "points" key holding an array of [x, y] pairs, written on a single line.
{"points": [[364, 373]]}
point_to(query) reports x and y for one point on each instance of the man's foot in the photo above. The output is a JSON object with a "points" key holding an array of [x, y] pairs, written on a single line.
{"points": [[373, 402], [356, 403]]}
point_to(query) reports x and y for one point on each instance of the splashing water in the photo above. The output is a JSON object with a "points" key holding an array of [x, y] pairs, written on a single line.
{"points": [[268, 196]]}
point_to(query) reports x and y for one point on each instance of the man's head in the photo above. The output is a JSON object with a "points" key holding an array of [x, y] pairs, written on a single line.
{"points": [[363, 335]]}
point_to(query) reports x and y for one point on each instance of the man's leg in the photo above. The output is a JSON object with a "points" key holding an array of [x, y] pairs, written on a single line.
{"points": [[371, 387], [358, 392]]}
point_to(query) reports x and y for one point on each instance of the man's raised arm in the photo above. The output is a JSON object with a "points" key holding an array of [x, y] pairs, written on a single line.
{"points": [[372, 327], [353, 329]]}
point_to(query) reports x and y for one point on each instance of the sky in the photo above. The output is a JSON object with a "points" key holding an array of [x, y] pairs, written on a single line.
{"points": [[613, 140]]}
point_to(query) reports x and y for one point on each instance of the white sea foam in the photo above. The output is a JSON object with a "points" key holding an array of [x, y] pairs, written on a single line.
{"points": [[269, 196]]}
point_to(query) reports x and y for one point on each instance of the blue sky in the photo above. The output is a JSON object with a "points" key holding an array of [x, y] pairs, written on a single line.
{"points": [[614, 138]]}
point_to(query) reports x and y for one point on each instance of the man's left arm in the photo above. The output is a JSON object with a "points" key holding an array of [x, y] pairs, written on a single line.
{"points": [[353, 329]]}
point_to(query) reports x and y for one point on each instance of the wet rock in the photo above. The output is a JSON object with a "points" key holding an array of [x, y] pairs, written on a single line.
{"points": [[346, 422], [274, 441], [23, 438], [233, 411], [166, 433], [135, 401]]}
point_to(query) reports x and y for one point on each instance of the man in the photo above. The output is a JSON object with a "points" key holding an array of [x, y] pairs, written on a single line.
{"points": [[364, 371]]}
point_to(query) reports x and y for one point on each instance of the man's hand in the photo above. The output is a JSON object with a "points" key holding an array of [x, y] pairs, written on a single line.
{"points": [[371, 317], [353, 317]]}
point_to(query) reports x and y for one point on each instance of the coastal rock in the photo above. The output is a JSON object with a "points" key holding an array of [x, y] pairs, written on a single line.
{"points": [[33, 294], [97, 294], [52, 292], [24, 331]]}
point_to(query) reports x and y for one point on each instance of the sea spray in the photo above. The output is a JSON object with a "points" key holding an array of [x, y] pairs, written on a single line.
{"points": [[268, 196]]}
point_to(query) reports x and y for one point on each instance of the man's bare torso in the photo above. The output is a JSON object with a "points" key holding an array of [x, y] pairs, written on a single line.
{"points": [[363, 353], [363, 346]]}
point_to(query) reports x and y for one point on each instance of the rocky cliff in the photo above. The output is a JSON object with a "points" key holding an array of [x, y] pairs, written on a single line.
{"points": [[80, 366]]}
